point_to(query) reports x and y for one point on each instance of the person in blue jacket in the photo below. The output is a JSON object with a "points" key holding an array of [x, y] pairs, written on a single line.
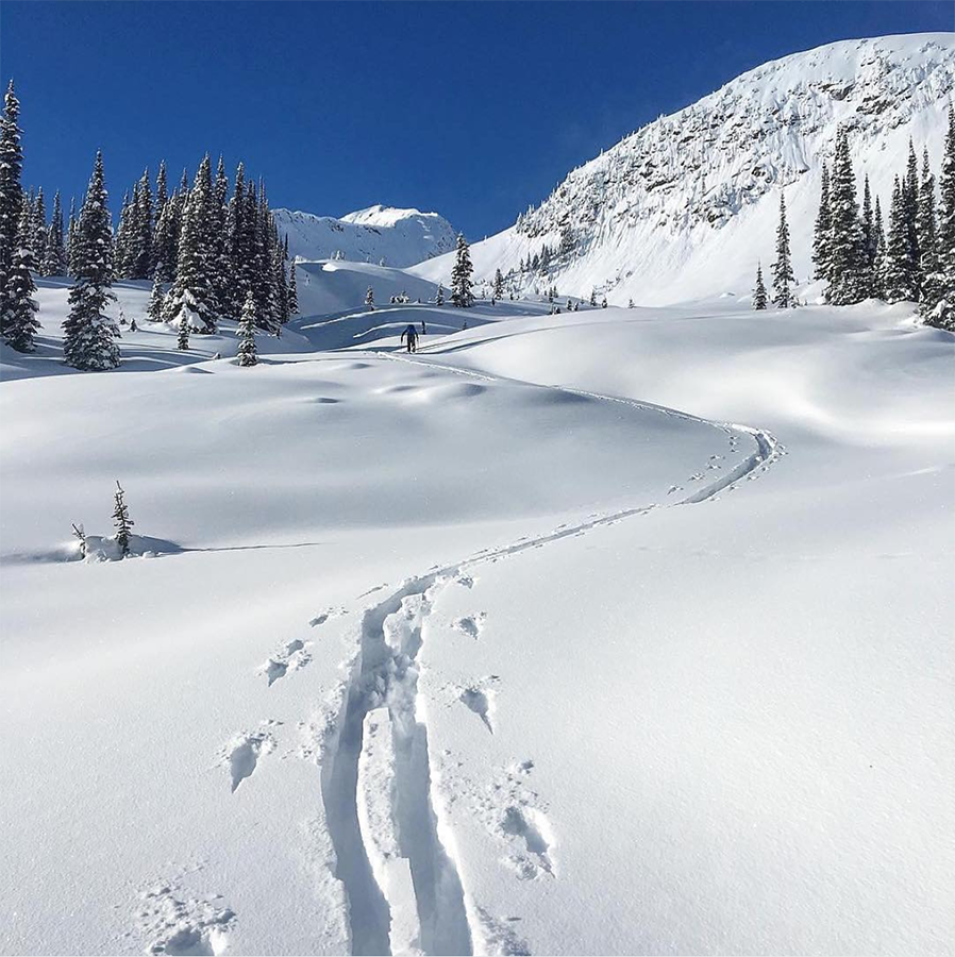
{"points": [[412, 335]]}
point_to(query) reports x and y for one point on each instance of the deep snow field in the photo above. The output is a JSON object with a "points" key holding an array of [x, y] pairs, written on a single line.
{"points": [[620, 631]]}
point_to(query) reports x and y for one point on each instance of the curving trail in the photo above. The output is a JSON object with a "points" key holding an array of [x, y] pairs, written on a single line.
{"points": [[385, 676]]}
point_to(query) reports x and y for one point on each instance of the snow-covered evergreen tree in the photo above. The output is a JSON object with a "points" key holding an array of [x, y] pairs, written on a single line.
{"points": [[783, 277], [182, 342], [90, 335], [156, 309], [760, 296], [461, 285], [868, 224], [910, 211], [370, 299], [247, 354], [20, 322], [929, 270], [498, 284], [193, 292], [878, 262], [848, 277], [292, 289], [70, 237], [593, 296], [121, 521], [900, 279], [123, 242], [37, 229], [821, 238], [142, 262], [11, 192], [54, 256], [439, 296], [942, 314]]}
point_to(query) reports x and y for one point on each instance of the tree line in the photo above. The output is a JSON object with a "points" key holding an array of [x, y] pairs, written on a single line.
{"points": [[209, 248], [913, 261]]}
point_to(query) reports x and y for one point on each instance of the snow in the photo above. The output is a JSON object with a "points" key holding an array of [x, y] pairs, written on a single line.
{"points": [[465, 579], [683, 208], [615, 631], [402, 237]]}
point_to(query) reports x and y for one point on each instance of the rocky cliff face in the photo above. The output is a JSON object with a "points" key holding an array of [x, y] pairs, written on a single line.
{"points": [[685, 206]]}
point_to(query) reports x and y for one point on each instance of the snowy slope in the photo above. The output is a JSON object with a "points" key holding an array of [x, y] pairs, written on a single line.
{"points": [[402, 237], [684, 207], [619, 723]]}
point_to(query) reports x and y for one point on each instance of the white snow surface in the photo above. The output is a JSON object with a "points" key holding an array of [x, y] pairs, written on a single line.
{"points": [[619, 631], [402, 237], [684, 207]]}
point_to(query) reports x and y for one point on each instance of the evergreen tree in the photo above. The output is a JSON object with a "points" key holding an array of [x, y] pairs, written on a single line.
{"points": [[783, 276], [121, 521], [37, 228], [929, 271], [498, 285], [292, 289], [156, 310], [759, 290], [942, 314], [193, 292], [910, 209], [122, 258], [183, 340], [848, 278], [238, 237], [461, 285], [370, 299], [593, 296], [54, 256], [247, 322], [821, 239], [868, 225], [439, 296], [900, 270], [142, 262], [11, 193], [90, 335], [222, 243], [71, 246], [20, 322], [162, 192], [878, 264]]}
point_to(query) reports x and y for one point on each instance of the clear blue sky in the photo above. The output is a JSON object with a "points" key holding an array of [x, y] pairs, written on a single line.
{"points": [[470, 109]]}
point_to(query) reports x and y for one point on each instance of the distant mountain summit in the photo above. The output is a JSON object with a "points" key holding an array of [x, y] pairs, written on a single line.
{"points": [[402, 237], [685, 206]]}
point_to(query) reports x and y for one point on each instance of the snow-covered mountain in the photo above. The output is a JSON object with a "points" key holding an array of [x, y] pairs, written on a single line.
{"points": [[684, 207], [402, 237]]}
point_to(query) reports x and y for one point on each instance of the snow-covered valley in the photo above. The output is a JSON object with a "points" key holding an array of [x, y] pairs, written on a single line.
{"points": [[495, 648]]}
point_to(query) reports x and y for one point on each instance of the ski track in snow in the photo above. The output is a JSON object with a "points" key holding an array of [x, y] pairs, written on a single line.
{"points": [[385, 674]]}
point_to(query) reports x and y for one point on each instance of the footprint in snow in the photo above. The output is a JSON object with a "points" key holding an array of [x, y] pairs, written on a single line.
{"points": [[328, 614], [479, 698], [176, 924], [470, 625], [530, 830], [292, 657], [241, 755]]}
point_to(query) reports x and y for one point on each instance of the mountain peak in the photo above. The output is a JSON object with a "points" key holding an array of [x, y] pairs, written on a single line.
{"points": [[402, 237]]}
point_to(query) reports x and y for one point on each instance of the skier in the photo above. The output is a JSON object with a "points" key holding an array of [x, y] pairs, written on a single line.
{"points": [[424, 328], [412, 335]]}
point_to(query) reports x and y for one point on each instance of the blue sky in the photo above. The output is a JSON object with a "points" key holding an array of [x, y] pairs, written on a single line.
{"points": [[470, 109]]}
